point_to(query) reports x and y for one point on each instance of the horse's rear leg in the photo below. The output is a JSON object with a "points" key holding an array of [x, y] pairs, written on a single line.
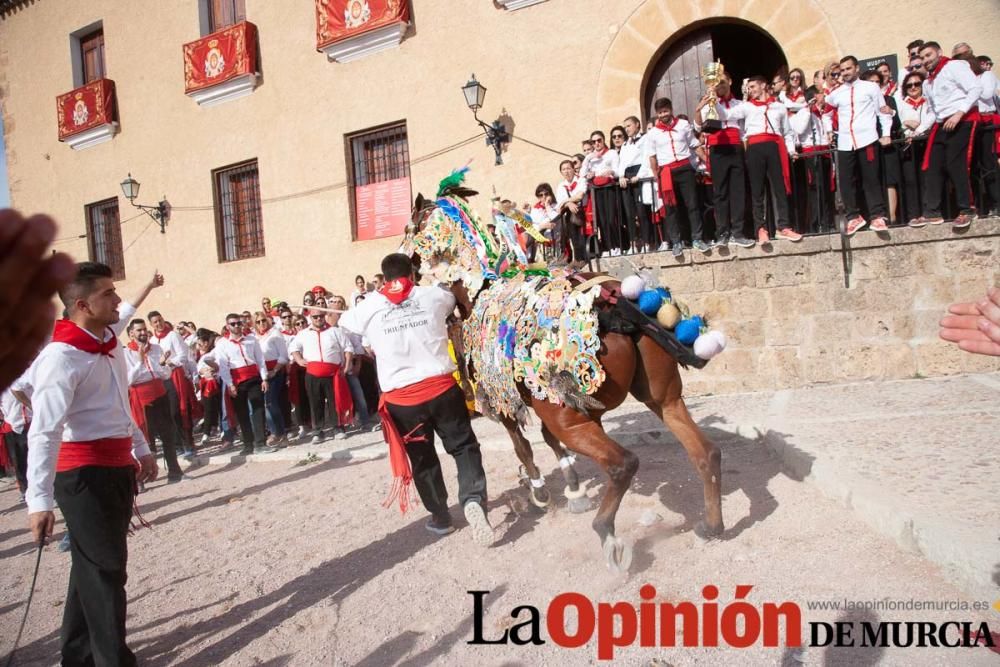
{"points": [[531, 476], [576, 497], [704, 455], [588, 438]]}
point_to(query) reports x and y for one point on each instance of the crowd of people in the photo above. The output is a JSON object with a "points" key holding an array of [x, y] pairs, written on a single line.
{"points": [[883, 151]]}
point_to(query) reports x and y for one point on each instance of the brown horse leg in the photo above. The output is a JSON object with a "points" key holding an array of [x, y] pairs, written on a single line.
{"points": [[587, 437], [577, 500], [530, 475]]}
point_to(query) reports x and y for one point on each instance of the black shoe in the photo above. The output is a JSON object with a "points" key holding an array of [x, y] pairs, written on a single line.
{"points": [[678, 250], [246, 451], [173, 479], [440, 525]]}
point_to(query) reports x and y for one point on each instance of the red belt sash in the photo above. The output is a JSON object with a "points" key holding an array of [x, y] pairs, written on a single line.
{"points": [[972, 116], [994, 119], [728, 136], [244, 373], [140, 397], [190, 408], [399, 462], [103, 452], [342, 400], [779, 141], [209, 387], [271, 363], [601, 181], [667, 181]]}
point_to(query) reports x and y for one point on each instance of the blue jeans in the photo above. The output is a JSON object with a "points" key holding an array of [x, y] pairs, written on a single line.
{"points": [[273, 400], [358, 396]]}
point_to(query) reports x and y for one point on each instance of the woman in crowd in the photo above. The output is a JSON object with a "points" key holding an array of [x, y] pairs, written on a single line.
{"points": [[916, 119], [544, 216]]}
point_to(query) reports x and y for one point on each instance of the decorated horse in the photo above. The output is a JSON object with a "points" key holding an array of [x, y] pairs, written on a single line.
{"points": [[570, 347]]}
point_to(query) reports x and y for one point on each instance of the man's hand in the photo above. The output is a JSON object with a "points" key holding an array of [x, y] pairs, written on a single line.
{"points": [[29, 276], [623, 182], [263, 386], [573, 207], [885, 109], [885, 141], [157, 279], [232, 390], [953, 121], [41, 525], [165, 358], [911, 124], [975, 326], [148, 470]]}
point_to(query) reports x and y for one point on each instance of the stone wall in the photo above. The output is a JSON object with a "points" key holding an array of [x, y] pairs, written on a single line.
{"points": [[794, 317]]}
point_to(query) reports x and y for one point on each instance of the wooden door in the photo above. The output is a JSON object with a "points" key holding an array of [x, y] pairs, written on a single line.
{"points": [[678, 74], [92, 52]]}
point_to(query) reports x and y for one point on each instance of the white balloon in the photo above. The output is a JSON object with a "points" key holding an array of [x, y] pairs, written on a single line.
{"points": [[632, 287], [707, 346], [721, 337]]}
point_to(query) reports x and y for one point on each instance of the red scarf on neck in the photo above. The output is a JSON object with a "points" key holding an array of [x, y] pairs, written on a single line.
{"points": [[397, 290], [915, 103], [70, 333], [727, 98], [667, 128], [758, 103], [944, 60]]}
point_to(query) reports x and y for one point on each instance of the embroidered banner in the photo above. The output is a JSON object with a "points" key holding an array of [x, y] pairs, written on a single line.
{"points": [[86, 107], [221, 56], [337, 20], [382, 209]]}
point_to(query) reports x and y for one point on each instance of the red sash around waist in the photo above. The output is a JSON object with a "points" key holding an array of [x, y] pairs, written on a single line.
{"points": [[779, 141], [971, 116], [399, 462], [209, 387], [667, 181], [322, 369], [244, 373], [140, 397], [600, 181], [271, 364], [728, 136], [104, 452]]}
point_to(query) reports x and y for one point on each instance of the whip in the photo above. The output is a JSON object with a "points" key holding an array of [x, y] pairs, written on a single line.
{"points": [[27, 606]]}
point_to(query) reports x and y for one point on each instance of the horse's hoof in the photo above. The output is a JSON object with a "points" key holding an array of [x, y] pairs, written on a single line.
{"points": [[708, 533], [540, 496], [578, 505], [617, 554]]}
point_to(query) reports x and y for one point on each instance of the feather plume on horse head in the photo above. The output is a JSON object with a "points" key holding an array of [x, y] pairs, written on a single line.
{"points": [[452, 184]]}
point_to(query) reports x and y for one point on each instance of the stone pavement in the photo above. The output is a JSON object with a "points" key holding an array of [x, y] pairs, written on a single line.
{"points": [[915, 459]]}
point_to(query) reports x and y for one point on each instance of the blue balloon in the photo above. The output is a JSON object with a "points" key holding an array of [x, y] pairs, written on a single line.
{"points": [[664, 292], [650, 302], [687, 330]]}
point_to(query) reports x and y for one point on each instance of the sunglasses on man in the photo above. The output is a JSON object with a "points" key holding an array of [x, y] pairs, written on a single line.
{"points": [[235, 323]]}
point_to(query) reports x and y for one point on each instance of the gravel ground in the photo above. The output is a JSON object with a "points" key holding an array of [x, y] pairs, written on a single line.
{"points": [[285, 564]]}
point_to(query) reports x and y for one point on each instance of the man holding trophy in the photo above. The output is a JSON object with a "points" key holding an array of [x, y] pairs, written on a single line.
{"points": [[726, 155]]}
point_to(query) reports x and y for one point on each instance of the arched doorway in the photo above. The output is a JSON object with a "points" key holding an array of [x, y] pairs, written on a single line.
{"points": [[743, 48]]}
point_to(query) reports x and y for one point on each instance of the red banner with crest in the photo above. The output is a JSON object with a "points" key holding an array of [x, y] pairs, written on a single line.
{"points": [[221, 56], [86, 107], [337, 20]]}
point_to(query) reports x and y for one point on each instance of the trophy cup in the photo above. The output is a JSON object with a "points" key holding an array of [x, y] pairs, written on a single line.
{"points": [[711, 74]]}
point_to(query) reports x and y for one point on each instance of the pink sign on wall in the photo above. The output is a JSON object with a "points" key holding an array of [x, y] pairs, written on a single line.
{"points": [[382, 208]]}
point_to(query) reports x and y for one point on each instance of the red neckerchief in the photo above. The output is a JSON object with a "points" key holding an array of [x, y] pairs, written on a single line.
{"points": [[667, 128], [727, 98], [540, 206], [890, 89], [285, 332], [132, 345], [795, 96], [397, 290], [915, 103], [601, 153], [167, 328], [247, 331], [942, 61], [766, 102], [70, 333]]}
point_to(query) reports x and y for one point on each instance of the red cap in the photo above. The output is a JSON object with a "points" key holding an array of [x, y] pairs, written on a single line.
{"points": [[319, 289]]}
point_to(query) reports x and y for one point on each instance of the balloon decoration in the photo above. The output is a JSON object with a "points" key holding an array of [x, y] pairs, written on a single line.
{"points": [[657, 302]]}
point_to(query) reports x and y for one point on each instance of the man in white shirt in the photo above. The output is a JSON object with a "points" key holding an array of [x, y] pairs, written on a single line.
{"points": [[275, 351], [861, 128], [184, 407], [326, 354], [82, 452], [244, 374], [668, 150], [599, 169], [147, 395], [952, 91], [406, 327]]}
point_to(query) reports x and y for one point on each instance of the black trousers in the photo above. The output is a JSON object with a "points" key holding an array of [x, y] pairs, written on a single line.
{"points": [[764, 166], [949, 156], [303, 415], [161, 425], [636, 210], [96, 504], [573, 234], [819, 196], [607, 213], [17, 450], [729, 184], [912, 192], [447, 416], [249, 394], [212, 407], [685, 184], [858, 171], [989, 173], [368, 375], [322, 404]]}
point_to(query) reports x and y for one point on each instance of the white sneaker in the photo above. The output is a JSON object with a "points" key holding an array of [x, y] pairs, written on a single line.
{"points": [[339, 435], [316, 439], [664, 247], [302, 432], [616, 252], [204, 439]]}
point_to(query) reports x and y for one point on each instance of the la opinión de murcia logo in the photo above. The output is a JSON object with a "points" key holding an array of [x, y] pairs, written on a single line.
{"points": [[572, 620]]}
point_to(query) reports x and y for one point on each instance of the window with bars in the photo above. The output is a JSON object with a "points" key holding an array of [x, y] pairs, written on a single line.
{"points": [[376, 155], [104, 236], [239, 224], [224, 13], [92, 55]]}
